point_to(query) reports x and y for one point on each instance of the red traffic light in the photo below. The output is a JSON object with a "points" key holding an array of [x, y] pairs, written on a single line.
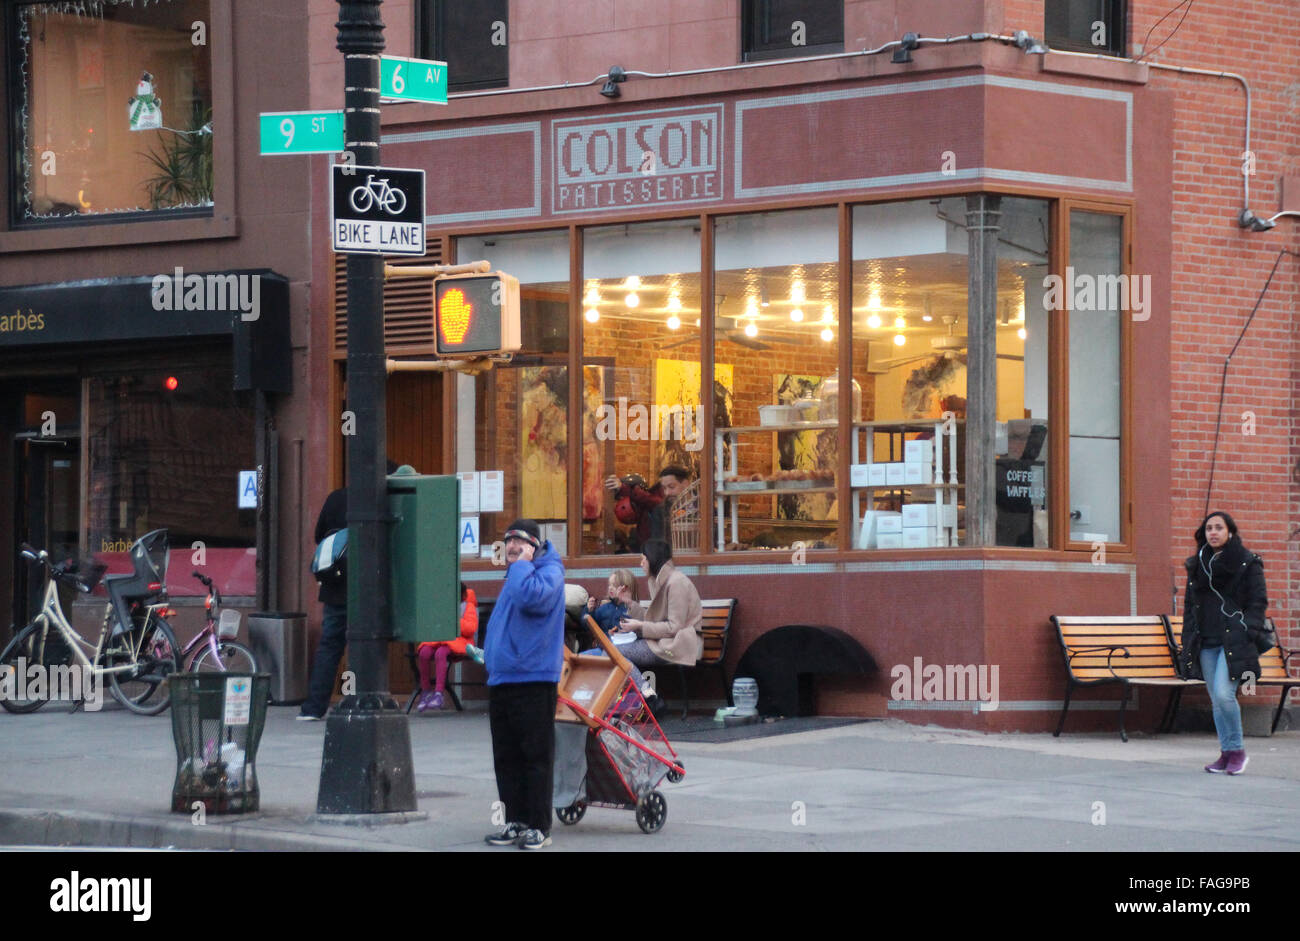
{"points": [[172, 383], [476, 314]]}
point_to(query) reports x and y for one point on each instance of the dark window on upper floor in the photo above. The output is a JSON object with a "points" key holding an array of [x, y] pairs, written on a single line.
{"points": [[785, 29], [111, 110], [1086, 26], [470, 36]]}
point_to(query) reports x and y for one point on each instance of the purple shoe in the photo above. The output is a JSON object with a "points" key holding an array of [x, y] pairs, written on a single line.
{"points": [[436, 700], [1218, 766], [1236, 762], [425, 703]]}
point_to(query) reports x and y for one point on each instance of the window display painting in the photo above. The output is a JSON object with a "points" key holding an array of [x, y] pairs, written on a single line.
{"points": [[543, 442], [677, 400], [807, 455]]}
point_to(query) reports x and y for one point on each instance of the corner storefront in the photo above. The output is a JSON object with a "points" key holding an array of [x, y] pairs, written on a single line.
{"points": [[702, 271]]}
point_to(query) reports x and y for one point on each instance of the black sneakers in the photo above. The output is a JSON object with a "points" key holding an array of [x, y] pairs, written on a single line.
{"points": [[509, 835], [534, 840]]}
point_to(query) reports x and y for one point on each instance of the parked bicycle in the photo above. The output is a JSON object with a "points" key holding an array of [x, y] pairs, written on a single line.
{"points": [[136, 649], [214, 648]]}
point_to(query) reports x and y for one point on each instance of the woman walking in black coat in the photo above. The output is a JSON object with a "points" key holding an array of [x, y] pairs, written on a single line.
{"points": [[1223, 626]]}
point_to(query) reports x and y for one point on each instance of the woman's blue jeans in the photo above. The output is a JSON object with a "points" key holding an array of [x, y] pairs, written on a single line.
{"points": [[1223, 697]]}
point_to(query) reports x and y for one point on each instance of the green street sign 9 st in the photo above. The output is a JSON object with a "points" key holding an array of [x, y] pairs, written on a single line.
{"points": [[302, 132], [413, 79]]}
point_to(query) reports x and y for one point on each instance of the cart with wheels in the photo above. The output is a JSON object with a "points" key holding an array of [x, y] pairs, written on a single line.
{"points": [[627, 754]]}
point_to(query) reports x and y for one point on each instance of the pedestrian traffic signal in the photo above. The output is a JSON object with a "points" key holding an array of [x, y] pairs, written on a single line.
{"points": [[476, 314]]}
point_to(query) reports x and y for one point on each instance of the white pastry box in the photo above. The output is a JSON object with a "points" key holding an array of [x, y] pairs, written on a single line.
{"points": [[918, 537], [916, 473], [876, 475], [895, 474], [889, 521], [889, 540], [919, 514], [918, 452]]}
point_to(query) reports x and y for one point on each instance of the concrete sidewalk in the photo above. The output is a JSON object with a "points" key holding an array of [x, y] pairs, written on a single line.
{"points": [[104, 779]]}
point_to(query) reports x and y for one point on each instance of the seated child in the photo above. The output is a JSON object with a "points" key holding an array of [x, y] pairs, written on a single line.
{"points": [[442, 652], [621, 593]]}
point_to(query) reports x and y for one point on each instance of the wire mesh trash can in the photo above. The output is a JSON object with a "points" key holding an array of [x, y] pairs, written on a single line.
{"points": [[217, 721]]}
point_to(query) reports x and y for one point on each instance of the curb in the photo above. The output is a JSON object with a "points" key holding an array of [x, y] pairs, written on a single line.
{"points": [[31, 827]]}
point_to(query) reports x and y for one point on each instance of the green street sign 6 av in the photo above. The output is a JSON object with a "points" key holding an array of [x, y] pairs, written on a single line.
{"points": [[302, 132], [413, 79]]}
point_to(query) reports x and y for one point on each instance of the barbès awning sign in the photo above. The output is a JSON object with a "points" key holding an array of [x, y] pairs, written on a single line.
{"points": [[652, 158]]}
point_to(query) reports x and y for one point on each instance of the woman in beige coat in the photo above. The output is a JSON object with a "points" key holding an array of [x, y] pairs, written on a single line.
{"points": [[668, 632]]}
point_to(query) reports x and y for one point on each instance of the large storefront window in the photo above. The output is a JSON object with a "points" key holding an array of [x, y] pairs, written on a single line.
{"points": [[776, 323], [642, 393], [166, 449], [113, 108], [1096, 337], [1022, 354], [910, 289], [514, 421]]}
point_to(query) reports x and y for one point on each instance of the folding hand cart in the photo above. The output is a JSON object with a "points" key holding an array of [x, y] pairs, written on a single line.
{"points": [[627, 754]]}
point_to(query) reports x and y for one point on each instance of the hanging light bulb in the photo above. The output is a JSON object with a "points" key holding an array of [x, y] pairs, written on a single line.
{"points": [[674, 322], [592, 315], [927, 316], [796, 315], [751, 329], [827, 314], [900, 340], [874, 302], [1021, 333], [631, 300], [874, 321], [593, 296], [828, 334]]}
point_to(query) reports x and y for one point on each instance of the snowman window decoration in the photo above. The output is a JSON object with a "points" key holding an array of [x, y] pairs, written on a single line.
{"points": [[144, 108]]}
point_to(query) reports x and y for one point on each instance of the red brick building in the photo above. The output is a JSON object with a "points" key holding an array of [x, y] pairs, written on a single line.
{"points": [[825, 210]]}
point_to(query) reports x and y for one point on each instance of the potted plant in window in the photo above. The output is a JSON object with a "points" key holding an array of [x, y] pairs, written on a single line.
{"points": [[184, 166]]}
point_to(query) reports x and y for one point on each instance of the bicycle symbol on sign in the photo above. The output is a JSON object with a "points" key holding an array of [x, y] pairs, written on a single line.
{"points": [[377, 193]]}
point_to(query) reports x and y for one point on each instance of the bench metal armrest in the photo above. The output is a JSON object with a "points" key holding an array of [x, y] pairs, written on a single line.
{"points": [[1112, 648]]}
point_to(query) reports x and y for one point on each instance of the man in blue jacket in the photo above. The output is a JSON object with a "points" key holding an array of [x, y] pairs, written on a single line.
{"points": [[523, 654]]}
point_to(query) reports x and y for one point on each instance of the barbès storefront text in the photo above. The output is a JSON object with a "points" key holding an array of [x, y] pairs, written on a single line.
{"points": [[654, 158]]}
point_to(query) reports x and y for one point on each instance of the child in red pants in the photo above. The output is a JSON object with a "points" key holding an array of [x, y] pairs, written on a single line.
{"points": [[441, 652]]}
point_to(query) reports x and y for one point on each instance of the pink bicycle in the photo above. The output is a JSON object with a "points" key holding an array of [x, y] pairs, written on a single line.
{"points": [[214, 648]]}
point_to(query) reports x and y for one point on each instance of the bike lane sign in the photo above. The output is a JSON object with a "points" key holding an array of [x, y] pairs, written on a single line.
{"points": [[376, 210]]}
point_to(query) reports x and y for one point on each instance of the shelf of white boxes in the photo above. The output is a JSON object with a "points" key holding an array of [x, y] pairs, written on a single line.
{"points": [[925, 523]]}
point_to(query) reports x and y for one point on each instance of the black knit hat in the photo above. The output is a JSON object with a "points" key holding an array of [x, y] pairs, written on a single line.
{"points": [[525, 529]]}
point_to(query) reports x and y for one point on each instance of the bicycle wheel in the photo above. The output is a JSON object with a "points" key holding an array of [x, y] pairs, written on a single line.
{"points": [[361, 199], [235, 658], [32, 646], [150, 651]]}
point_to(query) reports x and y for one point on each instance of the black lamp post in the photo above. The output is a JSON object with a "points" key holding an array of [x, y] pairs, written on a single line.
{"points": [[366, 765]]}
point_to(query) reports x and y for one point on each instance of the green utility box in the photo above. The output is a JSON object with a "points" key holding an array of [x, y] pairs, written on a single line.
{"points": [[425, 556]]}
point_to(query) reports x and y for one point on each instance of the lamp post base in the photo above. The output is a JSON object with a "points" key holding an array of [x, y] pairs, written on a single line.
{"points": [[373, 726]]}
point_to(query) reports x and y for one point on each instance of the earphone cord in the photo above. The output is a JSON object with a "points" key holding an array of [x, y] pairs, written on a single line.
{"points": [[1223, 382], [1239, 615]]}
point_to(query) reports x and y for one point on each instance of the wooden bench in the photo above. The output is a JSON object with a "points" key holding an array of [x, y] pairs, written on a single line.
{"points": [[1272, 666], [1131, 651], [715, 627]]}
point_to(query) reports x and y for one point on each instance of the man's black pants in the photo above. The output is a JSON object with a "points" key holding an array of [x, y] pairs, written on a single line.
{"points": [[522, 717]]}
